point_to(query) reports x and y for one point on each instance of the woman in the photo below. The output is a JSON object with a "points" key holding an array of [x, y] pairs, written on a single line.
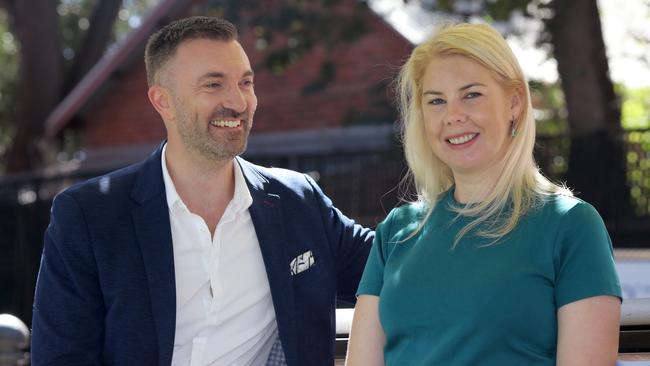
{"points": [[494, 265]]}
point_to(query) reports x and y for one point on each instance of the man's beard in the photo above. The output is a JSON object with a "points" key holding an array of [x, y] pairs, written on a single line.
{"points": [[223, 146]]}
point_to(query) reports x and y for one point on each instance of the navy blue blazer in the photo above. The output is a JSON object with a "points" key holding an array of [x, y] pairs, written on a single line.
{"points": [[105, 293]]}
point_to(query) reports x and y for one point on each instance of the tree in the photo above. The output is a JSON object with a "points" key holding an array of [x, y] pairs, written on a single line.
{"points": [[35, 27], [597, 168], [43, 75]]}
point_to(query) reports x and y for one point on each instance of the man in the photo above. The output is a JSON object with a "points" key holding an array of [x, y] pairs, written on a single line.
{"points": [[195, 256]]}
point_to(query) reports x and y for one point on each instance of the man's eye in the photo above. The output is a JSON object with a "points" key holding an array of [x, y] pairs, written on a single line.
{"points": [[213, 85], [437, 101], [248, 83]]}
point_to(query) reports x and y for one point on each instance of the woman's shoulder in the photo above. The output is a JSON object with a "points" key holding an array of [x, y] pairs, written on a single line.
{"points": [[408, 212], [566, 207], [402, 220]]}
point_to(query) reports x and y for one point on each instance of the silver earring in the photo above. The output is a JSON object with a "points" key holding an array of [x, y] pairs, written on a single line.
{"points": [[513, 128]]}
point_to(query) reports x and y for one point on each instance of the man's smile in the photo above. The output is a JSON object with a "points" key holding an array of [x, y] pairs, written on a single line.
{"points": [[225, 123]]}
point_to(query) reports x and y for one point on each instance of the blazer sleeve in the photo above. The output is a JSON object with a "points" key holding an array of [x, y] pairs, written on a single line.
{"points": [[350, 244], [68, 313]]}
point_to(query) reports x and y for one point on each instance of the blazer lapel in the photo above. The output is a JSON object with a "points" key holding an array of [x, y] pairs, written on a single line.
{"points": [[266, 214], [153, 231]]}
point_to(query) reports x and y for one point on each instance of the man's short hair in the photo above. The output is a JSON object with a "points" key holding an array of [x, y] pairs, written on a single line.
{"points": [[163, 44]]}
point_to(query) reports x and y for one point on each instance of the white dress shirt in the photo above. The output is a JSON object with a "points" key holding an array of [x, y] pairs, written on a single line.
{"points": [[224, 311]]}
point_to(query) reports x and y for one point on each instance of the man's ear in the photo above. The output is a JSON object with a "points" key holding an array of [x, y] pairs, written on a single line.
{"points": [[160, 99]]}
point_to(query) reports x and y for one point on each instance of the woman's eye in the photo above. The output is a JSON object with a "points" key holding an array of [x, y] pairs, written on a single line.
{"points": [[473, 95], [437, 101]]}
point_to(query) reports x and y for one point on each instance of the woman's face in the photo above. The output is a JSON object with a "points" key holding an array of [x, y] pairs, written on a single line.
{"points": [[467, 115]]}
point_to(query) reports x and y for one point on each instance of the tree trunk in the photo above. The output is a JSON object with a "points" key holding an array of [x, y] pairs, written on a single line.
{"points": [[95, 40], [39, 81], [597, 169]]}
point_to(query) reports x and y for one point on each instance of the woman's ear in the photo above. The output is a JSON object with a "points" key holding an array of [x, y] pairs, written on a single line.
{"points": [[516, 102]]}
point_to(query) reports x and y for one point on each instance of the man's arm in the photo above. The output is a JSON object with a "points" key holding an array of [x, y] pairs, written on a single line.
{"points": [[68, 313], [350, 242]]}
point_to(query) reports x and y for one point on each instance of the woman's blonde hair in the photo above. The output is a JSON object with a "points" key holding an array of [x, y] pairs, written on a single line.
{"points": [[520, 186]]}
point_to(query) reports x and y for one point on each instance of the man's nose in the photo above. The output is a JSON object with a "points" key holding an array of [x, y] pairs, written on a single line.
{"points": [[234, 99]]}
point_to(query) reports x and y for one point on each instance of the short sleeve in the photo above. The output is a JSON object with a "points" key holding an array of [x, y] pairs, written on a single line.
{"points": [[584, 259], [372, 280]]}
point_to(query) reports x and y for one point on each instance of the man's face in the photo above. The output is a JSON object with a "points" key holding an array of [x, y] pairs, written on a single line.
{"points": [[212, 98]]}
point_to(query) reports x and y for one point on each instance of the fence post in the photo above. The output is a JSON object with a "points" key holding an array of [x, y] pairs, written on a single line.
{"points": [[14, 340]]}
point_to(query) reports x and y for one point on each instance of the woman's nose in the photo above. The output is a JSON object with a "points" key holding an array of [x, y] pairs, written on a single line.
{"points": [[454, 113]]}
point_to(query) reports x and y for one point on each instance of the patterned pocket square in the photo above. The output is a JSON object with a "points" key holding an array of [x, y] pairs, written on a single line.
{"points": [[302, 262]]}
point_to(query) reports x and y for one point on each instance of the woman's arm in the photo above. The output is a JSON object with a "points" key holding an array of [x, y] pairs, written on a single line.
{"points": [[366, 345], [588, 332]]}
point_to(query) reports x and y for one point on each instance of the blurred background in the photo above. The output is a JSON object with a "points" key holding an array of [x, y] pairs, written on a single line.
{"points": [[73, 103]]}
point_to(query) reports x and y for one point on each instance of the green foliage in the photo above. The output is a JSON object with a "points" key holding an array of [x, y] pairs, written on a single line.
{"points": [[637, 147], [75, 16], [289, 29], [130, 16], [74, 20], [490, 10], [553, 143], [501, 9], [635, 107], [549, 108], [8, 78]]}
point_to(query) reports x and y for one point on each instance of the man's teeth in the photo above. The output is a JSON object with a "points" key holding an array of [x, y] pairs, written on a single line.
{"points": [[224, 123], [462, 139]]}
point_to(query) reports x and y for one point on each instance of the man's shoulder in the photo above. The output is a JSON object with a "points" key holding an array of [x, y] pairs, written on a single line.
{"points": [[276, 176], [111, 184]]}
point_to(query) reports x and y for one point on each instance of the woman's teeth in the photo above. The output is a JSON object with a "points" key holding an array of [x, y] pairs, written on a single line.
{"points": [[462, 139], [223, 123]]}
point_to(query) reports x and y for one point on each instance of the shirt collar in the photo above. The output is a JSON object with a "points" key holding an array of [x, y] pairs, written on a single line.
{"points": [[174, 201], [241, 200], [242, 197]]}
